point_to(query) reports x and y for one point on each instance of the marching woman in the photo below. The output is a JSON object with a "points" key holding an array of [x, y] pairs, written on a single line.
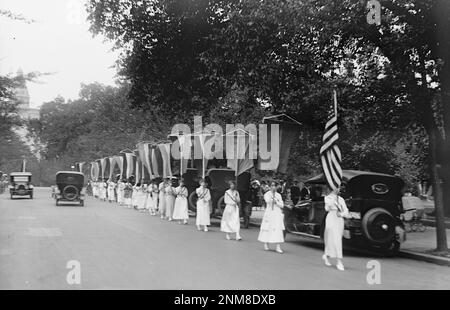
{"points": [[170, 199], [149, 199], [134, 195], [95, 189], [334, 227], [102, 190], [142, 196], [180, 211], [111, 187], [231, 222], [272, 225], [203, 202], [162, 198], [127, 193], [120, 191], [155, 196]]}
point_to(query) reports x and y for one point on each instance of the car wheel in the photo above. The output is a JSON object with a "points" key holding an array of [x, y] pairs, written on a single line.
{"points": [[31, 196], [57, 202], [12, 196], [82, 203], [379, 226]]}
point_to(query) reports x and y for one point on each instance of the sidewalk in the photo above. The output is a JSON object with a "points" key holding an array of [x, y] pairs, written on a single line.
{"points": [[418, 245]]}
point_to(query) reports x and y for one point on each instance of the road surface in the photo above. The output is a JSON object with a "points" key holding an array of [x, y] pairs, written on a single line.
{"points": [[120, 248]]}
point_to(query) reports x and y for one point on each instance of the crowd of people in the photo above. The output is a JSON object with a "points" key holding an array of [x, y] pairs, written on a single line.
{"points": [[169, 200]]}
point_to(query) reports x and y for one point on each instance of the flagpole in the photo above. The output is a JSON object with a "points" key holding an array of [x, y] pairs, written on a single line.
{"points": [[335, 102]]}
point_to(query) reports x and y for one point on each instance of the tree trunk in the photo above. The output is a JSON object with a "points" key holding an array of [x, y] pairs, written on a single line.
{"points": [[442, 21]]}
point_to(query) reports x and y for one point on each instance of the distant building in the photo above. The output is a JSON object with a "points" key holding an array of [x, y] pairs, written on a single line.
{"points": [[23, 98]]}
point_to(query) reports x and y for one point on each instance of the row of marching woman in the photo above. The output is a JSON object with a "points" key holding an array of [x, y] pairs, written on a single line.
{"points": [[171, 203], [168, 197]]}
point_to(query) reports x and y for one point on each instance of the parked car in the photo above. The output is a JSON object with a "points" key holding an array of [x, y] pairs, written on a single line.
{"points": [[374, 203], [69, 187], [20, 184]]}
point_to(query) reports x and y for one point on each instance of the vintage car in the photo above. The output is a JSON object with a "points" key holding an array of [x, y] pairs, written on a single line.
{"points": [[69, 187], [217, 180], [374, 203], [20, 184]]}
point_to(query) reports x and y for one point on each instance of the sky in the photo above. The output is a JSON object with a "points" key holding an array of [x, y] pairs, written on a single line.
{"points": [[57, 42]]}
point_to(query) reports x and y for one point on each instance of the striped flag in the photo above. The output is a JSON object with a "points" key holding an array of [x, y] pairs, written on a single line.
{"points": [[330, 154]]}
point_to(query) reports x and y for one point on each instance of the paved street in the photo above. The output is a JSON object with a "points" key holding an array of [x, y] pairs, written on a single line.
{"points": [[121, 248]]}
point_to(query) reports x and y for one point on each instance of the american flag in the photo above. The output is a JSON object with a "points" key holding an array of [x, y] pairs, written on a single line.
{"points": [[330, 154]]}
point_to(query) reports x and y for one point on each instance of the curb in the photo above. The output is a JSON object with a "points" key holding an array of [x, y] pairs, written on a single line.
{"points": [[425, 257], [410, 254]]}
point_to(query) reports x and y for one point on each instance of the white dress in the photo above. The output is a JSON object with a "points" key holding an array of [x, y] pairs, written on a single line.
{"points": [[155, 196], [203, 202], [111, 194], [128, 192], [134, 196], [141, 197], [170, 200], [162, 198], [149, 198], [230, 222], [180, 210], [334, 225], [120, 188], [95, 189], [102, 194], [272, 225]]}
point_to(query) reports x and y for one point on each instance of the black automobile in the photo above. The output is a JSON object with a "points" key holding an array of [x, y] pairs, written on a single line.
{"points": [[374, 203], [20, 184], [69, 187]]}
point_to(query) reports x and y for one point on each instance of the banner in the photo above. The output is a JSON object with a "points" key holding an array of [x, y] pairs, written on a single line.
{"points": [[289, 131], [239, 158], [145, 158], [165, 154]]}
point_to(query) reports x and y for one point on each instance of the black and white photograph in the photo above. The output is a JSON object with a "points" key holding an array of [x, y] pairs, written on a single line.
{"points": [[241, 147]]}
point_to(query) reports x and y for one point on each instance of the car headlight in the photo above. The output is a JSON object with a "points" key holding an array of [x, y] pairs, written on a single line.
{"points": [[355, 215]]}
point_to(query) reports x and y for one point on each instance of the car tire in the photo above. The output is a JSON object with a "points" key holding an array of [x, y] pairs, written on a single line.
{"points": [[57, 202], [82, 203], [372, 225]]}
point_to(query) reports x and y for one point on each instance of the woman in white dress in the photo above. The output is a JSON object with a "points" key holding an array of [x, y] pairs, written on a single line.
{"points": [[142, 196], [272, 225], [155, 196], [120, 188], [180, 210], [170, 200], [103, 190], [334, 227], [95, 189], [111, 187], [203, 202], [162, 198], [149, 199], [231, 222], [134, 196], [127, 193]]}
